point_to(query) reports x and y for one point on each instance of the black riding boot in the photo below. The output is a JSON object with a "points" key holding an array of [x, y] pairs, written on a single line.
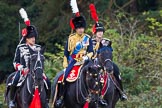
{"points": [[123, 96], [60, 102], [12, 96], [117, 75]]}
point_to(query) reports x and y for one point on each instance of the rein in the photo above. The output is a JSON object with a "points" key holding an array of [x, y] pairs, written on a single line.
{"points": [[84, 88], [32, 72]]}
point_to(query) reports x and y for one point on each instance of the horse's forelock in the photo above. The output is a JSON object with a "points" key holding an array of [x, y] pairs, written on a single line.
{"points": [[104, 53]]}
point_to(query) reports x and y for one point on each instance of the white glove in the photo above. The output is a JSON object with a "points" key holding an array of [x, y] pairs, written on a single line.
{"points": [[85, 58], [20, 67]]}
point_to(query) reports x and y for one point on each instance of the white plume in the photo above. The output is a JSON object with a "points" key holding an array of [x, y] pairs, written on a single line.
{"points": [[23, 14], [74, 6]]}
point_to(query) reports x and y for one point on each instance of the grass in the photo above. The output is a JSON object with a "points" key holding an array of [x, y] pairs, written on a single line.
{"points": [[2, 90]]}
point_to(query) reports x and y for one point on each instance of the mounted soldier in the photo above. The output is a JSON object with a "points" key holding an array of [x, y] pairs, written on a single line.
{"points": [[98, 42], [78, 47], [22, 55]]}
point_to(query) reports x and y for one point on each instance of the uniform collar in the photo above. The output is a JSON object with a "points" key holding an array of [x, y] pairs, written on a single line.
{"points": [[80, 35], [33, 47]]}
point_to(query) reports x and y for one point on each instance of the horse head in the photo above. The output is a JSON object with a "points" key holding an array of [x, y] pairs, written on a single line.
{"points": [[92, 78], [104, 59], [36, 65]]}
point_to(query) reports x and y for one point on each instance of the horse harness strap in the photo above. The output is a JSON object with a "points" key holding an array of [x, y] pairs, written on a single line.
{"points": [[88, 92], [91, 91], [115, 82], [106, 61]]}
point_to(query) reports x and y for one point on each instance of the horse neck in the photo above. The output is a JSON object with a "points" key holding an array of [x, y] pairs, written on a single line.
{"points": [[83, 80]]}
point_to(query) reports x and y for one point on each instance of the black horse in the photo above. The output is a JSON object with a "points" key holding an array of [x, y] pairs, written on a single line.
{"points": [[85, 89], [104, 56], [34, 78]]}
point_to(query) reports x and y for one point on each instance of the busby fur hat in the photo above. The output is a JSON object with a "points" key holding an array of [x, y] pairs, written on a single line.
{"points": [[97, 26], [30, 30], [77, 21]]}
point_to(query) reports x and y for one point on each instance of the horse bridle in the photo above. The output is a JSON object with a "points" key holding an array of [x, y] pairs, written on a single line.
{"points": [[38, 60], [88, 91], [105, 63], [91, 91], [35, 65]]}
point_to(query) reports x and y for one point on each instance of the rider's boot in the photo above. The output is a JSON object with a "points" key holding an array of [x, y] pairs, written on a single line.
{"points": [[60, 102], [12, 96], [123, 96]]}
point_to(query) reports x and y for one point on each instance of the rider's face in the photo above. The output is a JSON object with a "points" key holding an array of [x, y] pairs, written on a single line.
{"points": [[80, 31], [30, 41], [99, 34]]}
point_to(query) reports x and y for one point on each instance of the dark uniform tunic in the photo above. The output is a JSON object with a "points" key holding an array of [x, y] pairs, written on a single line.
{"points": [[22, 55]]}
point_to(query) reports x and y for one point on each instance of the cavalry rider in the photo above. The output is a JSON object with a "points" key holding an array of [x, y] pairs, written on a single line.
{"points": [[21, 59], [98, 41], [78, 48]]}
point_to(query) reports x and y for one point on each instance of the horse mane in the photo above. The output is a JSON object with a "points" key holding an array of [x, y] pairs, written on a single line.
{"points": [[87, 63]]}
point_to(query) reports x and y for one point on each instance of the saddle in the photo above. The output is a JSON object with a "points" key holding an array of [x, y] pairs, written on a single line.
{"points": [[73, 75]]}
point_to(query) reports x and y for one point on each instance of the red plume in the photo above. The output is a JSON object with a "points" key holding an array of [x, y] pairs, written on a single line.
{"points": [[71, 24], [93, 12], [27, 22]]}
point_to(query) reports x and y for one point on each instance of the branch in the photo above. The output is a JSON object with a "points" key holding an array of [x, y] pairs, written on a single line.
{"points": [[127, 4]]}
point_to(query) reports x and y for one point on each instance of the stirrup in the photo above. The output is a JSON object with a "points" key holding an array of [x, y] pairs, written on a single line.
{"points": [[102, 102], [11, 104], [123, 97], [59, 103]]}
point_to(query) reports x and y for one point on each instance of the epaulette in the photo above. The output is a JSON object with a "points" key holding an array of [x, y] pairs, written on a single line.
{"points": [[73, 34], [88, 35], [21, 45], [37, 45], [106, 39]]}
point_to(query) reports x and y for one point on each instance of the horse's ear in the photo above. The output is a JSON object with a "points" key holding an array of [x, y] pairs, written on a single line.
{"points": [[31, 50], [42, 50]]}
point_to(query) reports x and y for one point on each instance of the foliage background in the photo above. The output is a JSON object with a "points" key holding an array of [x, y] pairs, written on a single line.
{"points": [[134, 27]]}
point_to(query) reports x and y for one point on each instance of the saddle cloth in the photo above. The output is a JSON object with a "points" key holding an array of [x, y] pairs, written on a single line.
{"points": [[73, 75]]}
